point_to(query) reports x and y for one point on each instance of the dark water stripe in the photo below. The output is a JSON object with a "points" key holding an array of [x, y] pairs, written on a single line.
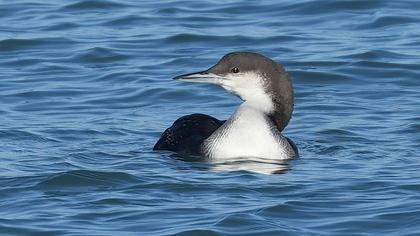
{"points": [[99, 55], [93, 5], [9, 45], [86, 178], [389, 21]]}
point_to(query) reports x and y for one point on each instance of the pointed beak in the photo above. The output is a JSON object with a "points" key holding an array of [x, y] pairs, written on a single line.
{"points": [[201, 77]]}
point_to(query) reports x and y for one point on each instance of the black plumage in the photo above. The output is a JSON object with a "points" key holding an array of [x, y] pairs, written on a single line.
{"points": [[187, 134]]}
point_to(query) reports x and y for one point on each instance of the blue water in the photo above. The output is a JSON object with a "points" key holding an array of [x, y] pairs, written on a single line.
{"points": [[86, 90]]}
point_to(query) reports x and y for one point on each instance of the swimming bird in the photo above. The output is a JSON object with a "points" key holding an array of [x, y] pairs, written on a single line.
{"points": [[254, 129]]}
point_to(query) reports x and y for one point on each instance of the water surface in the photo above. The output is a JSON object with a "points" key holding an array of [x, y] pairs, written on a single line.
{"points": [[86, 90]]}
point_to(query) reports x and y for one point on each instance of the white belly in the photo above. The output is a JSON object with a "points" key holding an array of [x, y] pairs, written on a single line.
{"points": [[247, 134]]}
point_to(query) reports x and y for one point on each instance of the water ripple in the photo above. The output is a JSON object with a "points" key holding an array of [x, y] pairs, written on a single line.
{"points": [[93, 5], [8, 45], [85, 178]]}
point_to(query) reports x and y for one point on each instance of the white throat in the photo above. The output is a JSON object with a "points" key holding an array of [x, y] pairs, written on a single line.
{"points": [[250, 87]]}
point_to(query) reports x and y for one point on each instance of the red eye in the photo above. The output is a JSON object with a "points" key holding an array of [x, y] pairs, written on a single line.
{"points": [[235, 70]]}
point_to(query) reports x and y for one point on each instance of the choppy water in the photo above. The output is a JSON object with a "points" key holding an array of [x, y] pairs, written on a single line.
{"points": [[85, 91]]}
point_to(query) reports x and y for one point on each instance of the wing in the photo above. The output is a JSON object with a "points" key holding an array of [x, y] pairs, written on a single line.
{"points": [[187, 134]]}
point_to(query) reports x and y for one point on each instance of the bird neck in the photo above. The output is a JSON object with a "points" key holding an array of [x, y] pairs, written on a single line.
{"points": [[283, 105]]}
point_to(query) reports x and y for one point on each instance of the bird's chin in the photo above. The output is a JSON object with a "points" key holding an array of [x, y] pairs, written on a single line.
{"points": [[230, 89]]}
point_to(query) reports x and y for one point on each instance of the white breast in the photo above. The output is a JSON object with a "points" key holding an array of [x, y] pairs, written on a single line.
{"points": [[247, 134]]}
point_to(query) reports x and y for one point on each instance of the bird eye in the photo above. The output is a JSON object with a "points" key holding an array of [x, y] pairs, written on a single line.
{"points": [[235, 70]]}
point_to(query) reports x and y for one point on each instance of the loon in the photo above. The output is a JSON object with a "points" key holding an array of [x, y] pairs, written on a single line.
{"points": [[254, 129]]}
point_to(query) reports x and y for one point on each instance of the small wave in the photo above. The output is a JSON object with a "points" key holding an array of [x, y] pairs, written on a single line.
{"points": [[372, 55], [342, 135], [170, 10], [99, 55], [62, 26], [188, 38], [285, 208], [127, 21], [13, 62], [328, 7], [74, 134], [87, 178], [44, 94], [413, 129], [21, 135], [386, 21], [8, 45], [193, 232], [330, 150], [93, 4], [17, 44], [318, 77]]}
